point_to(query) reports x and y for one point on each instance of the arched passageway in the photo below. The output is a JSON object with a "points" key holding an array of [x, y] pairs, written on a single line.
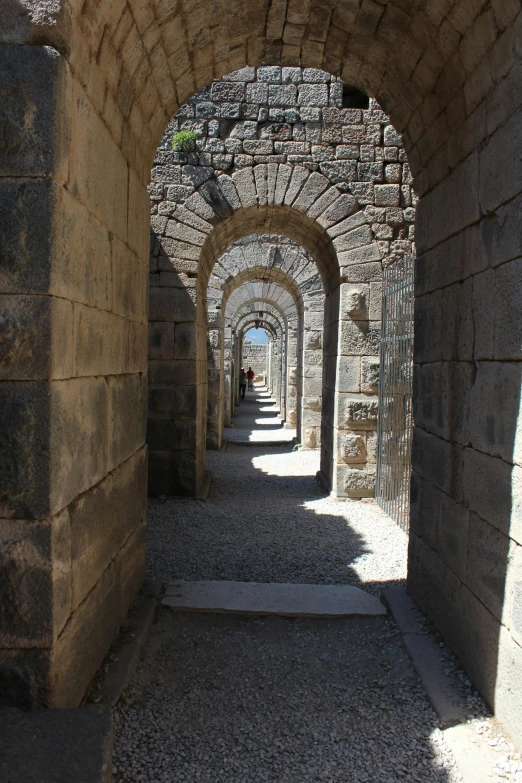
{"points": [[82, 136]]}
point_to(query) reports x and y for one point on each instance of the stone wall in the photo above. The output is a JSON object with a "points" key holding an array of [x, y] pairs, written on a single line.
{"points": [[255, 356]]}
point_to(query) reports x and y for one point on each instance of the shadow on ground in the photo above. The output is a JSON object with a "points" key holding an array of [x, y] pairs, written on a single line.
{"points": [[225, 699]]}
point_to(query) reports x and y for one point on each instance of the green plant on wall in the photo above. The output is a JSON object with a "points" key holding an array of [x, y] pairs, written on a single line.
{"points": [[184, 141]]}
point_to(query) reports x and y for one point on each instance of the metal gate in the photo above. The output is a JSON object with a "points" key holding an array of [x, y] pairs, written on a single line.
{"points": [[395, 392]]}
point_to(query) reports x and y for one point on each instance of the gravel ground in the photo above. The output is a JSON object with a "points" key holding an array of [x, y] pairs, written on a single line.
{"points": [[267, 520], [223, 699], [257, 419]]}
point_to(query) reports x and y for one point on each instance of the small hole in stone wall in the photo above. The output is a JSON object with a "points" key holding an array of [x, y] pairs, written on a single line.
{"points": [[354, 98]]}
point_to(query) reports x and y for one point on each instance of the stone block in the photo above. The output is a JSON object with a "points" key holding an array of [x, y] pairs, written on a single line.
{"points": [[351, 448], [391, 137], [98, 173], [339, 170], [27, 210], [387, 195], [282, 95], [434, 587], [171, 402], [500, 232], [450, 207], [175, 373], [171, 304], [494, 408], [312, 95], [35, 568], [356, 482], [507, 306], [494, 190], [360, 255], [487, 488], [101, 344], [292, 76], [269, 73], [86, 639], [230, 92], [357, 412], [453, 535], [370, 366], [370, 172], [36, 337], [360, 338], [161, 340], [425, 501], [128, 412], [349, 374], [487, 560], [35, 112], [102, 519], [185, 342], [438, 461], [355, 238], [477, 643]]}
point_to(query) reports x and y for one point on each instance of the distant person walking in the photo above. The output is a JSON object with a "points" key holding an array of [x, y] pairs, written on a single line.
{"points": [[251, 375], [243, 378]]}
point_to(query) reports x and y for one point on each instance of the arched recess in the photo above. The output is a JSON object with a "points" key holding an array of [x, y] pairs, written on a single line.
{"points": [[75, 291]]}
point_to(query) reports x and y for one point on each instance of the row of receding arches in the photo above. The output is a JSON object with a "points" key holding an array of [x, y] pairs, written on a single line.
{"points": [[271, 282]]}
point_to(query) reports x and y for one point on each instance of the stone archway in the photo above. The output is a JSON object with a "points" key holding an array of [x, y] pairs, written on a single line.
{"points": [[101, 91]]}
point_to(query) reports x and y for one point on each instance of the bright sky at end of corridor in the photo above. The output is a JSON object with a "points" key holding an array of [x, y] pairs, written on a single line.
{"points": [[257, 336]]}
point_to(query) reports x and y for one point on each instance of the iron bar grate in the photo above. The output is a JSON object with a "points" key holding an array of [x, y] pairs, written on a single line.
{"points": [[395, 392]]}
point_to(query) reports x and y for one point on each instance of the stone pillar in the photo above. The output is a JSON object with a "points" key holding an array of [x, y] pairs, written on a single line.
{"points": [[356, 393], [228, 376], [312, 371], [215, 393], [292, 406], [74, 228]]}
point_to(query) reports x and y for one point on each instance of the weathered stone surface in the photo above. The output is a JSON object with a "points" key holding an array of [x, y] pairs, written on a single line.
{"points": [[35, 112], [370, 374], [360, 338], [352, 448], [36, 337], [288, 600], [35, 559], [102, 519], [357, 411], [82, 646]]}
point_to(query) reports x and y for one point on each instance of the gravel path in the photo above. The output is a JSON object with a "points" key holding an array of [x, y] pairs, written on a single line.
{"points": [[222, 699], [227, 699], [257, 420], [267, 520]]}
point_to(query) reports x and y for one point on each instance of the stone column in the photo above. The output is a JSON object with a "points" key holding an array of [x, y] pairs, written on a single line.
{"points": [[228, 376], [356, 393], [312, 371], [215, 393], [292, 407]]}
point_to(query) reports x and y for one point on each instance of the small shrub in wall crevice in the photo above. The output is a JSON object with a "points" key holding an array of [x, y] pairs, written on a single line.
{"points": [[184, 141]]}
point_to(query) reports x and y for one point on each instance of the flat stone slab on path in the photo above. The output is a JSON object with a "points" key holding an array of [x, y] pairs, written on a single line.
{"points": [[273, 598]]}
